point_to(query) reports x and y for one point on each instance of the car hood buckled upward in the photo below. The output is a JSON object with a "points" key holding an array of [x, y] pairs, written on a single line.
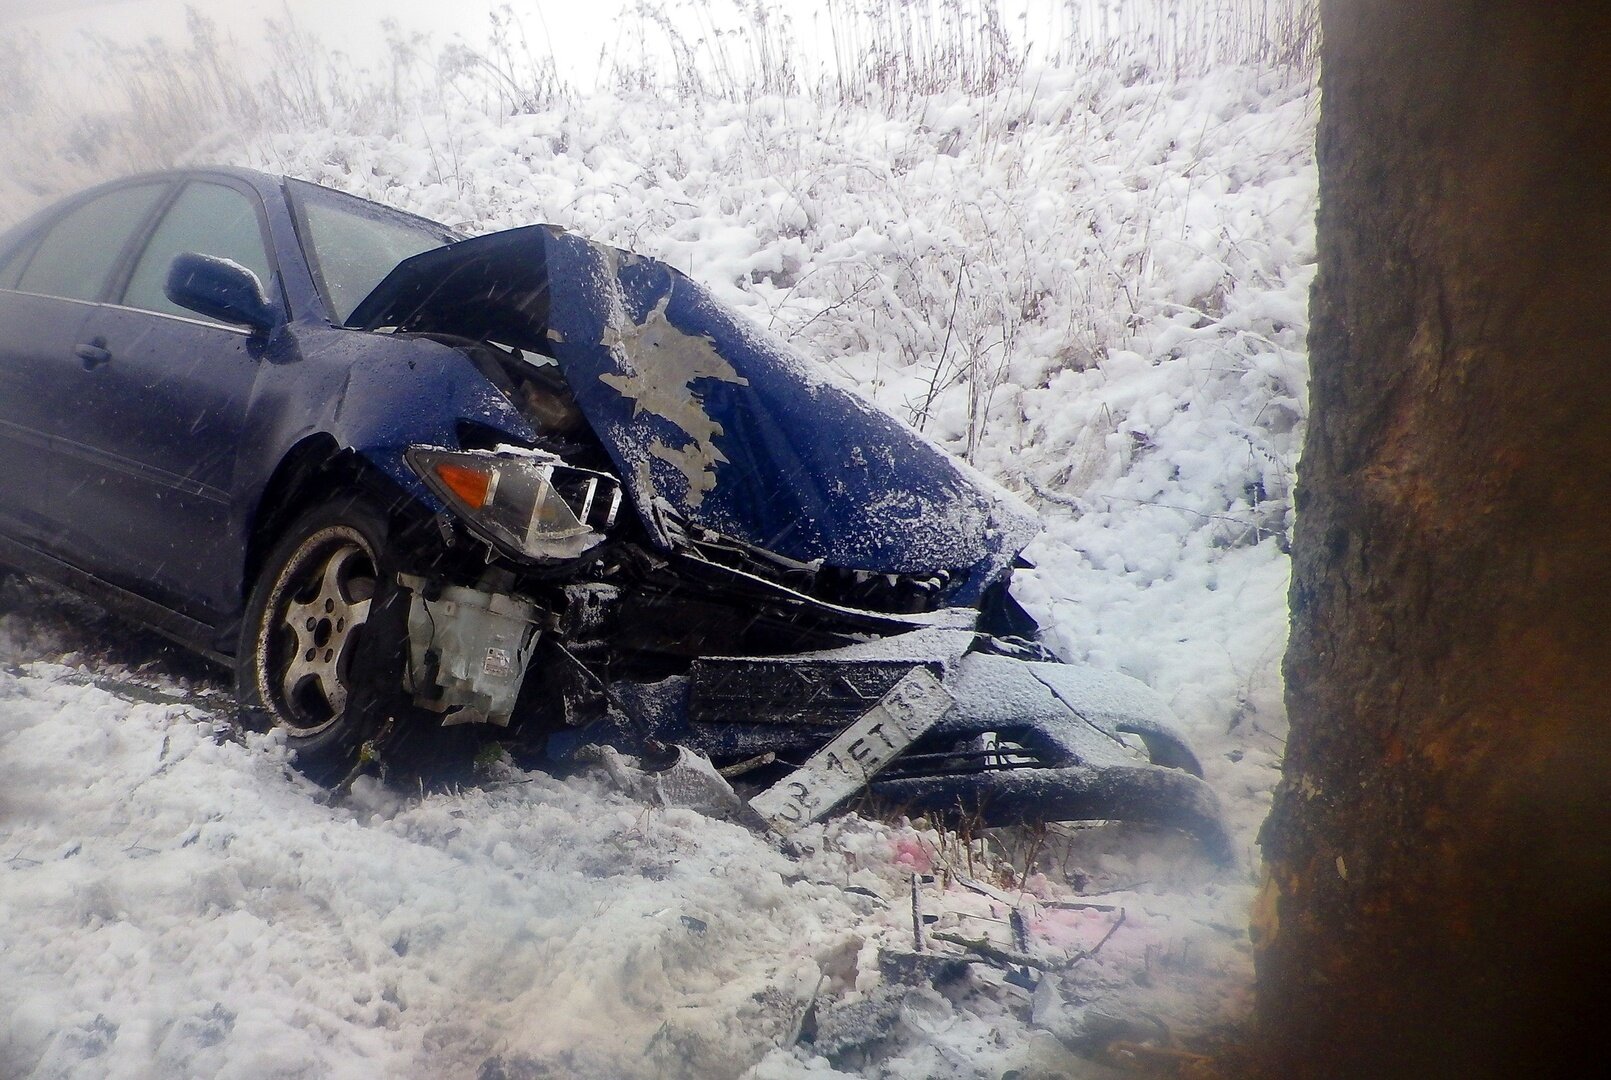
{"points": [[707, 416]]}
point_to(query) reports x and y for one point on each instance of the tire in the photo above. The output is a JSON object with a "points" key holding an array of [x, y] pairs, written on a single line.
{"points": [[307, 657]]}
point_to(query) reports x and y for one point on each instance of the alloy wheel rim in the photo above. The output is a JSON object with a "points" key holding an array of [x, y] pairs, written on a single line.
{"points": [[314, 619]]}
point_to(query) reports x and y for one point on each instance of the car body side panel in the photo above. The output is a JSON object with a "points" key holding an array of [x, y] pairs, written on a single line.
{"points": [[37, 334], [155, 432]]}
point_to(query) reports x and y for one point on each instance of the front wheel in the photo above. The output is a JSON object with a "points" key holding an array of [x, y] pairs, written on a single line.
{"points": [[308, 619]]}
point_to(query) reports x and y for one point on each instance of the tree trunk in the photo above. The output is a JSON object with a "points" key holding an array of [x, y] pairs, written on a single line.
{"points": [[1439, 898]]}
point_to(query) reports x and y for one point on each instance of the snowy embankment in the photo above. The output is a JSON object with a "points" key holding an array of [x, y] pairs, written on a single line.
{"points": [[1094, 288]]}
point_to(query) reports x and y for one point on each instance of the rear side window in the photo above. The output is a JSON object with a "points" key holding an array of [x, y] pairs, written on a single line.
{"points": [[208, 219], [76, 256]]}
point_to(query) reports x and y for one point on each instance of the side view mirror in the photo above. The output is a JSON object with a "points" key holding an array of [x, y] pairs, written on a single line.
{"points": [[222, 290]]}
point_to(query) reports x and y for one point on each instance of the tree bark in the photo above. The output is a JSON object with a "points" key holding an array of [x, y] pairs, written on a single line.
{"points": [[1439, 852]]}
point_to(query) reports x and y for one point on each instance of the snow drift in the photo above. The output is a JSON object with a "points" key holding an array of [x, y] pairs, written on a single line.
{"points": [[1092, 287]]}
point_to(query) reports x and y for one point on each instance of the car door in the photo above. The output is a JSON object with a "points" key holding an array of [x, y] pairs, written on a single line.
{"points": [[48, 291], [162, 414]]}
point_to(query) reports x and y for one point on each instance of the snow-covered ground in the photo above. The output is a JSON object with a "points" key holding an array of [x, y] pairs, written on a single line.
{"points": [[1093, 284]]}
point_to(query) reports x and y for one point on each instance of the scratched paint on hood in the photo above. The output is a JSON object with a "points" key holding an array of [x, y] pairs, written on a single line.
{"points": [[662, 365]]}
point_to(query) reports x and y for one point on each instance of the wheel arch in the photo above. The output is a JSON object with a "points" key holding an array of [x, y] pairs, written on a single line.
{"points": [[314, 470]]}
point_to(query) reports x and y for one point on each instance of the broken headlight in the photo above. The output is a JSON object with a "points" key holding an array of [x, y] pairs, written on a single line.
{"points": [[525, 502]]}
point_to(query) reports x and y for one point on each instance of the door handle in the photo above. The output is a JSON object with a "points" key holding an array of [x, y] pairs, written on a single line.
{"points": [[93, 353]]}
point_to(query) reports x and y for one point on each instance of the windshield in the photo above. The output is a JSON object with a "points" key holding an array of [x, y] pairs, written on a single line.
{"points": [[352, 243]]}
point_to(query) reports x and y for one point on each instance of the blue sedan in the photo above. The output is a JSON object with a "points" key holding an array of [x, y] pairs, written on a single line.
{"points": [[400, 480]]}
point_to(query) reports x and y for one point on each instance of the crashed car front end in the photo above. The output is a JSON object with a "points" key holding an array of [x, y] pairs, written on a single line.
{"points": [[709, 544]]}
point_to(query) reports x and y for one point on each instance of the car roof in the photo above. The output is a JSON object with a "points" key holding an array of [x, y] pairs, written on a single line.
{"points": [[271, 189], [266, 184], [263, 182]]}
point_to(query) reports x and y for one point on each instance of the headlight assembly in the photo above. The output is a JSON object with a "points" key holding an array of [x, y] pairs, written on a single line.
{"points": [[525, 502]]}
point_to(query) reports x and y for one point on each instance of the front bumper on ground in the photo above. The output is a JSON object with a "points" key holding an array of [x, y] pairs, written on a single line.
{"points": [[1025, 741], [1022, 740]]}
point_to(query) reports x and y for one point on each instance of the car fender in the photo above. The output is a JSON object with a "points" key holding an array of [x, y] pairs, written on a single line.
{"points": [[371, 395]]}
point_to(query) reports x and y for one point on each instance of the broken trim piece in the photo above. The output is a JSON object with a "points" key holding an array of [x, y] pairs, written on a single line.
{"points": [[467, 651]]}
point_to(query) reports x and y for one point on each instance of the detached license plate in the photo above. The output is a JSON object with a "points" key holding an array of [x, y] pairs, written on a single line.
{"points": [[845, 765]]}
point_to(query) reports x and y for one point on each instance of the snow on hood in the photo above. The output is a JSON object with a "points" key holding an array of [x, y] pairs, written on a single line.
{"points": [[706, 415]]}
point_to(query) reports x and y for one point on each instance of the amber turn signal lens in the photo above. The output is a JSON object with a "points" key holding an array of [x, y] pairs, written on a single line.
{"points": [[470, 485]]}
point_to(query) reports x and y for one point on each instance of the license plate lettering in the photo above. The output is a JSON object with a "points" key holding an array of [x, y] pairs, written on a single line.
{"points": [[855, 755]]}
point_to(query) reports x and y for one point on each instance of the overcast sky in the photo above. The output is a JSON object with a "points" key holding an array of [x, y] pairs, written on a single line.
{"points": [[444, 15], [578, 30]]}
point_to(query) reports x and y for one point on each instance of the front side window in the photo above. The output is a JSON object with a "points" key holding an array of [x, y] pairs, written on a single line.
{"points": [[353, 244], [207, 219], [77, 255]]}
